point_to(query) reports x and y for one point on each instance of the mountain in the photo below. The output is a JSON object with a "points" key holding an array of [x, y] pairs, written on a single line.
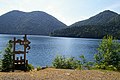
{"points": [[104, 23], [36, 22], [99, 19], [115, 20]]}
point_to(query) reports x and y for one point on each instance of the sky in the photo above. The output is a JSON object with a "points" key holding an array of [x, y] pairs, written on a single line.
{"points": [[67, 11]]}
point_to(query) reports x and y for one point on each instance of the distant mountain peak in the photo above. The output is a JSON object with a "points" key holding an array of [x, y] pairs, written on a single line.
{"points": [[98, 26], [16, 11], [37, 12], [99, 19], [108, 12], [35, 22]]}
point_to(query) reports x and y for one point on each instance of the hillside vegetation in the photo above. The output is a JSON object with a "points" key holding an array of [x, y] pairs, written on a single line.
{"points": [[36, 22], [104, 23]]}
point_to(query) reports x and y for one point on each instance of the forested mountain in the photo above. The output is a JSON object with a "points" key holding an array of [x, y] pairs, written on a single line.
{"points": [[36, 22], [99, 19], [115, 20], [104, 23]]}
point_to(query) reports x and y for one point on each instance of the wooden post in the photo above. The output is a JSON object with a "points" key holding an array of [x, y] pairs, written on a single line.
{"points": [[21, 59], [14, 54], [17, 60], [25, 52], [26, 62]]}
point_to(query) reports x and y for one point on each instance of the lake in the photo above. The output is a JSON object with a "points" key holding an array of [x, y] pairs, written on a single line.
{"points": [[44, 48]]}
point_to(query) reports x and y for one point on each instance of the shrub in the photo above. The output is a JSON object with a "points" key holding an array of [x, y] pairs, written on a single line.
{"points": [[66, 63], [108, 56], [30, 67], [111, 67], [38, 68], [85, 64]]}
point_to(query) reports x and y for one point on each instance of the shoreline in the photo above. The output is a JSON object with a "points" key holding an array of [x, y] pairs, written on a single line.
{"points": [[61, 74]]}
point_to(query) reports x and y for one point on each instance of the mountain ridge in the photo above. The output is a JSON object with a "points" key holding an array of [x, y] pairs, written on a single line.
{"points": [[36, 22], [104, 23], [96, 20]]}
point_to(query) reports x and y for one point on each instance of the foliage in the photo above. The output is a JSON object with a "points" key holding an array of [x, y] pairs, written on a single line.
{"points": [[38, 68], [96, 27], [85, 64], [7, 58], [89, 31], [66, 63], [30, 67], [12, 21], [108, 56]]}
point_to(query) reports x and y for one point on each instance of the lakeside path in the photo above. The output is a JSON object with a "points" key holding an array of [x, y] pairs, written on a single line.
{"points": [[61, 74]]}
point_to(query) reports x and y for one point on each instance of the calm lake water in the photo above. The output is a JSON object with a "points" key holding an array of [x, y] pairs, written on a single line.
{"points": [[44, 48]]}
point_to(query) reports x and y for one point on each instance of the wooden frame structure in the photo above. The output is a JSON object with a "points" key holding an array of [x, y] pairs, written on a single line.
{"points": [[20, 63]]}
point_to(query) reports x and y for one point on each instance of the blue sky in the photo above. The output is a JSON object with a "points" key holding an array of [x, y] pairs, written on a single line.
{"points": [[67, 11]]}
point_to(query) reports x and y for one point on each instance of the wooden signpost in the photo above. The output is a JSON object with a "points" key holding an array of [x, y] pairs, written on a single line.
{"points": [[20, 63]]}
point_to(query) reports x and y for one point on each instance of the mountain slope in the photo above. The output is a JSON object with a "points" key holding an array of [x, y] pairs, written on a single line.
{"points": [[36, 22], [99, 19], [94, 27], [115, 20]]}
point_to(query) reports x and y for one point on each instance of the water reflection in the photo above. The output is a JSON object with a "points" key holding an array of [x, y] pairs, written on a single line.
{"points": [[44, 48]]}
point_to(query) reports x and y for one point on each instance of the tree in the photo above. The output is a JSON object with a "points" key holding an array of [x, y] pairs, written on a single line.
{"points": [[108, 56], [7, 58]]}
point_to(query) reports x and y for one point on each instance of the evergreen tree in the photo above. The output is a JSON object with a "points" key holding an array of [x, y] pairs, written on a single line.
{"points": [[7, 58]]}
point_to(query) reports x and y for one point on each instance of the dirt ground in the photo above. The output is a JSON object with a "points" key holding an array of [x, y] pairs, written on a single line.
{"points": [[60, 74]]}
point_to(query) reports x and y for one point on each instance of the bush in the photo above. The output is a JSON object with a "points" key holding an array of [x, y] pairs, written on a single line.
{"points": [[7, 58], [85, 64], [30, 67], [108, 56], [66, 63], [38, 68], [111, 67]]}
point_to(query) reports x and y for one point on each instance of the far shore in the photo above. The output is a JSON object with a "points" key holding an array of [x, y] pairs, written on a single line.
{"points": [[47, 36]]}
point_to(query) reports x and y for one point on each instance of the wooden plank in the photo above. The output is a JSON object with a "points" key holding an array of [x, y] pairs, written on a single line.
{"points": [[16, 61], [18, 52], [16, 41], [26, 42], [21, 42]]}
